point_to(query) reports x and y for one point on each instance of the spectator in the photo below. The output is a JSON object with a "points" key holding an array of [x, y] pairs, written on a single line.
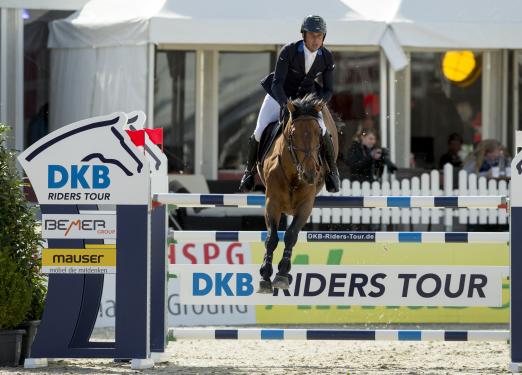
{"points": [[485, 156], [366, 161], [452, 156]]}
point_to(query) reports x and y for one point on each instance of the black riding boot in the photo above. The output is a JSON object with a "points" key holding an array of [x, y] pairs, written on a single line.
{"points": [[248, 180], [332, 180]]}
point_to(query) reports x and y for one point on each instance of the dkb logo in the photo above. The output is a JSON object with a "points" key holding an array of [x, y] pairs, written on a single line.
{"points": [[78, 177], [204, 283]]}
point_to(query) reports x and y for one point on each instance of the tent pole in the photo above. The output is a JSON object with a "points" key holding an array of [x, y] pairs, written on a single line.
{"points": [[383, 102], [151, 51], [392, 111], [516, 59]]}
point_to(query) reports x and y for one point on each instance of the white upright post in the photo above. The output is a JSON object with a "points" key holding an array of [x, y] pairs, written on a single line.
{"points": [[516, 259]]}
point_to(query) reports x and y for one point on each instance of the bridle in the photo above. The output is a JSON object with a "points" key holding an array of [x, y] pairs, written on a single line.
{"points": [[293, 149]]}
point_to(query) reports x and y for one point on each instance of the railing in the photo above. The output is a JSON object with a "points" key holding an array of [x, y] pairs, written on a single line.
{"points": [[426, 184]]}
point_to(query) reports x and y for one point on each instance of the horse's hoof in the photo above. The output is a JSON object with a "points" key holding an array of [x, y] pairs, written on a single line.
{"points": [[265, 287], [281, 282]]}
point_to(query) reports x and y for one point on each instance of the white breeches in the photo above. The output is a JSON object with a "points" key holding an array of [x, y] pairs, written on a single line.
{"points": [[269, 112]]}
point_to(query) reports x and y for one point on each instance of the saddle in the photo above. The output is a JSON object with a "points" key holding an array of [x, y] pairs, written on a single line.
{"points": [[270, 134]]}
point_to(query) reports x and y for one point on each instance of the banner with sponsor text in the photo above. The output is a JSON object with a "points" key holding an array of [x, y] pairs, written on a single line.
{"points": [[92, 259], [95, 225], [325, 254], [180, 314], [346, 285]]}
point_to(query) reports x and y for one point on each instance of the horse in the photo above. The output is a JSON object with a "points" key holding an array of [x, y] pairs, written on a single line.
{"points": [[293, 173]]}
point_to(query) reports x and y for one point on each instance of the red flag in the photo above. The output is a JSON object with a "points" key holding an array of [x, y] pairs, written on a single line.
{"points": [[156, 136], [137, 137]]}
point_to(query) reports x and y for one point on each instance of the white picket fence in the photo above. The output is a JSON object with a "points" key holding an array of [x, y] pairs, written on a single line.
{"points": [[427, 184]]}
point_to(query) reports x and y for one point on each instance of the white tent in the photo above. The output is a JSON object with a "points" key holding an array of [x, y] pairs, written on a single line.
{"points": [[457, 24], [105, 23], [100, 53], [101, 58]]}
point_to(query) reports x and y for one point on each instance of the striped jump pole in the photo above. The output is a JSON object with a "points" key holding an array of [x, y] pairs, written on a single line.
{"points": [[346, 236], [258, 200], [336, 334]]}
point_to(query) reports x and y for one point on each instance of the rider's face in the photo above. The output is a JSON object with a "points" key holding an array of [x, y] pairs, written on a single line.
{"points": [[368, 140], [313, 41]]}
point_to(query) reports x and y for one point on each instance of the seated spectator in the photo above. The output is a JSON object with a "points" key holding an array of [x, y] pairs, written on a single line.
{"points": [[452, 156], [366, 161], [485, 156]]}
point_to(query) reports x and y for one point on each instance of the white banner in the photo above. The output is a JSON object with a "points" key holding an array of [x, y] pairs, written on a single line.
{"points": [[92, 161], [92, 226], [345, 285], [180, 314]]}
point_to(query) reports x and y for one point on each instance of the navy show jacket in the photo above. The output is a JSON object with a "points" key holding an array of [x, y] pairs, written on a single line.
{"points": [[289, 79]]}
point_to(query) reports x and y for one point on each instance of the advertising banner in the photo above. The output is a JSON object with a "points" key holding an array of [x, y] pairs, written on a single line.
{"points": [[97, 225], [388, 254], [346, 285], [234, 253], [92, 161], [92, 259], [180, 314]]}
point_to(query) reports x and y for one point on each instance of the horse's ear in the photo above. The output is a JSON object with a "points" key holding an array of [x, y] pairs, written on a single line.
{"points": [[319, 106], [290, 106]]}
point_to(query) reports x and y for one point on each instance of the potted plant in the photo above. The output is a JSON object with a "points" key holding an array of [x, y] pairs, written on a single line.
{"points": [[19, 238], [15, 301], [32, 320]]}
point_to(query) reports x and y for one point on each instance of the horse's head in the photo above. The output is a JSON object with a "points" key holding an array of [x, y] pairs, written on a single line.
{"points": [[303, 136]]}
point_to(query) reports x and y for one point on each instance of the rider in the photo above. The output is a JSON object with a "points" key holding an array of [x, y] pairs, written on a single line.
{"points": [[297, 68]]}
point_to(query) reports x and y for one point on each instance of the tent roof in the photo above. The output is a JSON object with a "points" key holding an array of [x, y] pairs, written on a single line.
{"points": [[391, 24], [414, 23], [481, 24], [103, 23]]}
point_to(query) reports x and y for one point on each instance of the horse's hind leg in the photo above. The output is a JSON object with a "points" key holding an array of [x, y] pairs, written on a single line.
{"points": [[282, 279], [272, 222]]}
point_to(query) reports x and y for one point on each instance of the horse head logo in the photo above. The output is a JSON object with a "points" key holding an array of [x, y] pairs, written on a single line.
{"points": [[90, 156]]}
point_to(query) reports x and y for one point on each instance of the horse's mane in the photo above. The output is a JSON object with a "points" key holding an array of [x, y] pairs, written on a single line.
{"points": [[305, 106]]}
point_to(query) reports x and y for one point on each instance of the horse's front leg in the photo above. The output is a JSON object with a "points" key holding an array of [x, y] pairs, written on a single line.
{"points": [[282, 279], [272, 218]]}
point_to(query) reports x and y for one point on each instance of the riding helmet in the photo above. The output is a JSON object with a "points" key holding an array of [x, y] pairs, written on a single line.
{"points": [[314, 24]]}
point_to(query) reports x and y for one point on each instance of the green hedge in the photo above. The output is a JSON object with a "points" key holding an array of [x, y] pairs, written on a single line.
{"points": [[19, 239], [15, 293]]}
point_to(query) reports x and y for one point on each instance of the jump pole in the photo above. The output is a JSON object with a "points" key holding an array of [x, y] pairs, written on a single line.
{"points": [[337, 334], [257, 200], [344, 237]]}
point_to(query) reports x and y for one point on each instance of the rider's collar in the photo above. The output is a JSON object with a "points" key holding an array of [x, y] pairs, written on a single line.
{"points": [[300, 48]]}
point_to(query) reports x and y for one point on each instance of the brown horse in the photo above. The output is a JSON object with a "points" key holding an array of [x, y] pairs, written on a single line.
{"points": [[293, 174]]}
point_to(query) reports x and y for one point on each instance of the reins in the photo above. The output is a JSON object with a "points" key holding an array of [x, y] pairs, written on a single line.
{"points": [[293, 149]]}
